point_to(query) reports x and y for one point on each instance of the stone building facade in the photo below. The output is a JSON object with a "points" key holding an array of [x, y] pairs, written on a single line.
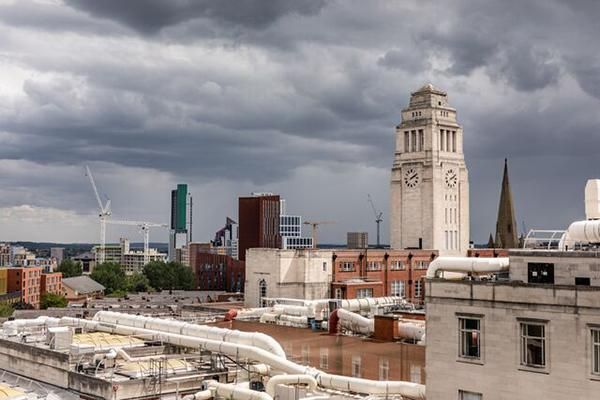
{"points": [[535, 335], [429, 206]]}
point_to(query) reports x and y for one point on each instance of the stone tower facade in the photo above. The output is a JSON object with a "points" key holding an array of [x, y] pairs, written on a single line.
{"points": [[506, 229], [430, 182]]}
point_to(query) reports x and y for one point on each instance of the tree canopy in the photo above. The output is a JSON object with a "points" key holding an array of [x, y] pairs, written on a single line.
{"points": [[53, 300], [171, 275], [111, 276], [70, 268]]}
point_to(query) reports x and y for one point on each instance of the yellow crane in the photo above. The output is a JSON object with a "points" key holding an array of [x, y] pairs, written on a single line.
{"points": [[314, 226]]}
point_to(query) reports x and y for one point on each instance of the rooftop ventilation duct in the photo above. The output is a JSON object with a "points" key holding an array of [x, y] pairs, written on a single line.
{"points": [[592, 199], [466, 265]]}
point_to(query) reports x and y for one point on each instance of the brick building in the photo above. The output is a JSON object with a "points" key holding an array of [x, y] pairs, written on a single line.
{"points": [[380, 272], [51, 283], [218, 272], [27, 281], [259, 218]]}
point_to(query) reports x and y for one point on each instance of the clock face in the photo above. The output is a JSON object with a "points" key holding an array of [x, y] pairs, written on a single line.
{"points": [[411, 178], [451, 178]]}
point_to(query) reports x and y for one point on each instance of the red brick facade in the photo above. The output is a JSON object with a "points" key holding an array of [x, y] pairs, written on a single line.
{"points": [[27, 281], [51, 283], [217, 272], [380, 272], [258, 218]]}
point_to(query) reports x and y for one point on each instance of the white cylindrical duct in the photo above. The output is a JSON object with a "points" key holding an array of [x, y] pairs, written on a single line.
{"points": [[12, 327], [411, 330], [365, 304], [201, 395], [209, 332], [466, 265], [583, 232], [234, 392], [300, 311], [290, 380], [592, 199], [355, 322], [277, 364]]}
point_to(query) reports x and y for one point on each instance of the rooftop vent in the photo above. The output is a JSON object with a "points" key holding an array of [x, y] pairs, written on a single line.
{"points": [[592, 199]]}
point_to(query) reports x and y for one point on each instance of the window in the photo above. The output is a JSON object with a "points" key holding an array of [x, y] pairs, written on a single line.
{"points": [[464, 395], [347, 266], [397, 288], [384, 369], [581, 281], [415, 373], [442, 140], [540, 273], [413, 139], [324, 358], [324, 266], [533, 344], [396, 265], [595, 351], [421, 264], [262, 292], [356, 366], [469, 336], [454, 141], [418, 289], [421, 140], [373, 266], [364, 293], [338, 293], [406, 141]]}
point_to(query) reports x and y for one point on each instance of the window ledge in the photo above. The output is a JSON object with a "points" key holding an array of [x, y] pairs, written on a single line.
{"points": [[525, 368], [595, 378], [475, 361]]}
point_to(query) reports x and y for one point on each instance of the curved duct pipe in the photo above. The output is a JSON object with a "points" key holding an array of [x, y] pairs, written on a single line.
{"points": [[290, 380], [365, 304], [277, 364], [582, 232], [355, 322], [411, 330], [466, 265], [209, 332], [12, 327], [201, 395], [300, 311], [246, 313], [234, 392]]}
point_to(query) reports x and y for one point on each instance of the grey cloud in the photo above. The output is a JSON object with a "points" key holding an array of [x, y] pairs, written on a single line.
{"points": [[150, 16], [526, 68]]}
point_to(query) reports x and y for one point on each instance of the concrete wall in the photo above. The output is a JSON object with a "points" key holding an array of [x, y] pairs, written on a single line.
{"points": [[40, 364], [567, 265], [569, 312], [296, 274]]}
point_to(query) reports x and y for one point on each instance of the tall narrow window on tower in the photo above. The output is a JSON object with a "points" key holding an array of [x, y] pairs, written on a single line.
{"points": [[429, 205]]}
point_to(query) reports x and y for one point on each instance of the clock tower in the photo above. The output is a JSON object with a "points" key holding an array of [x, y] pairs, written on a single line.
{"points": [[430, 182]]}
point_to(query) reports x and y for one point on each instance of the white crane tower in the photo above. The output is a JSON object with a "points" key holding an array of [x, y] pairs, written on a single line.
{"points": [[105, 213], [378, 218]]}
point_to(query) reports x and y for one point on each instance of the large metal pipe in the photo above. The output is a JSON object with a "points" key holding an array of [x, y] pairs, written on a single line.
{"points": [[235, 392], [467, 265], [209, 332], [278, 364], [581, 232], [290, 380], [355, 322]]}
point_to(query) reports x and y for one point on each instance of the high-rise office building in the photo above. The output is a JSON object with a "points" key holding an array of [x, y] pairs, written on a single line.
{"points": [[357, 240], [179, 236], [259, 219]]}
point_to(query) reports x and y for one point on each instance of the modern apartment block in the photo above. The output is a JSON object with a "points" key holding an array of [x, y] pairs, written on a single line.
{"points": [[133, 261], [357, 240], [51, 283], [26, 280], [534, 335]]}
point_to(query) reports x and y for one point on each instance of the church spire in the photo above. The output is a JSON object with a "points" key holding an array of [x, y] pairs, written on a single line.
{"points": [[506, 229]]}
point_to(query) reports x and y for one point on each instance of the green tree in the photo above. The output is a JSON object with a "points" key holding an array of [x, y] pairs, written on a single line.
{"points": [[171, 275], [111, 276], [137, 283], [70, 268], [6, 310], [52, 300]]}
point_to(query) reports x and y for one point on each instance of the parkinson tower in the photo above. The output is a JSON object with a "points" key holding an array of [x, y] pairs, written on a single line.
{"points": [[430, 182]]}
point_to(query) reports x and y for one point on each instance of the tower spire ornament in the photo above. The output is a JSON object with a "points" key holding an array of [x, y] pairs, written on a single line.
{"points": [[506, 229]]}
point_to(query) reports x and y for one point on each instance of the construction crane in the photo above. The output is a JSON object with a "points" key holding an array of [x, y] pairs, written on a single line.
{"points": [[145, 230], [104, 215], [378, 218], [314, 226]]}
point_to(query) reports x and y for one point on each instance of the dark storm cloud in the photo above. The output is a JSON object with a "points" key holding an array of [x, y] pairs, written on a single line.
{"points": [[150, 16], [252, 92]]}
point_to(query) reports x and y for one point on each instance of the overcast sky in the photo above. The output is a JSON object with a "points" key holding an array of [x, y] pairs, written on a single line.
{"points": [[290, 96]]}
